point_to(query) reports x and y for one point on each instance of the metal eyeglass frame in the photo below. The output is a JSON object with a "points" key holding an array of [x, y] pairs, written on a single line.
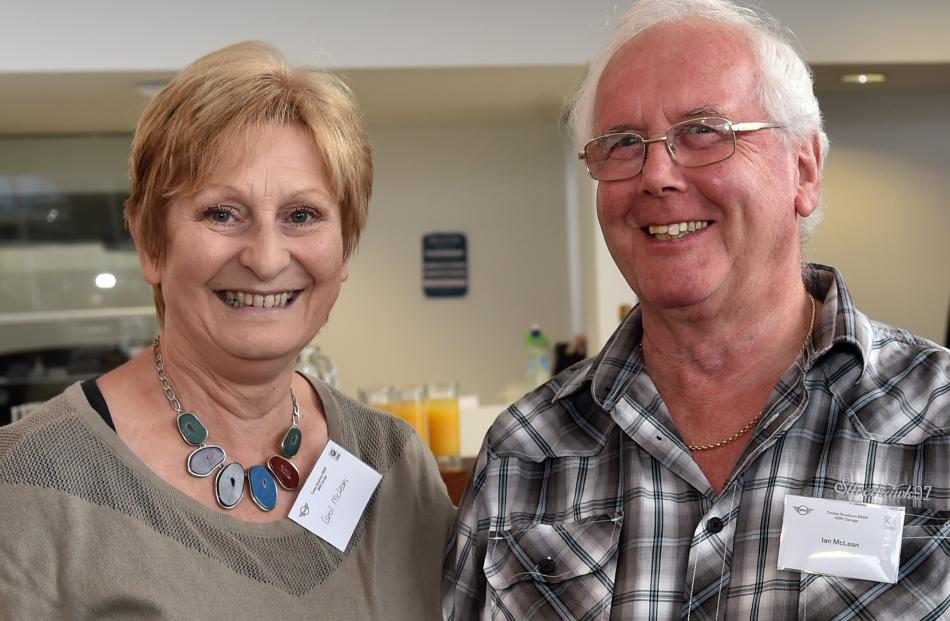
{"points": [[737, 128]]}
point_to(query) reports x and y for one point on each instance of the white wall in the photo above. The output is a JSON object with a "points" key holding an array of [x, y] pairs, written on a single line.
{"points": [[503, 187], [888, 216], [139, 35]]}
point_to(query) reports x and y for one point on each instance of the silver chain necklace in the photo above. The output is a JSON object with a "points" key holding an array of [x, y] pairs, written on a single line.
{"points": [[229, 483]]}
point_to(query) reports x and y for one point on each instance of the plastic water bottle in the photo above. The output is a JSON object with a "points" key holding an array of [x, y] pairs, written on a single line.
{"points": [[537, 356]]}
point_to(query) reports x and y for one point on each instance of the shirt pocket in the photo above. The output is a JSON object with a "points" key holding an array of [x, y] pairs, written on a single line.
{"points": [[563, 570], [922, 589]]}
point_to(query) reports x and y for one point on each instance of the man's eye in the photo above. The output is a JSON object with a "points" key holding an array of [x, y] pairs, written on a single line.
{"points": [[628, 141], [700, 129]]}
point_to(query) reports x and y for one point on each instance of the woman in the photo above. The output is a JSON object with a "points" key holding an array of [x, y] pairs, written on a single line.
{"points": [[158, 490]]}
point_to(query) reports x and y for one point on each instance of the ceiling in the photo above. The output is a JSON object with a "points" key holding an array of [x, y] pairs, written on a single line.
{"points": [[64, 103]]}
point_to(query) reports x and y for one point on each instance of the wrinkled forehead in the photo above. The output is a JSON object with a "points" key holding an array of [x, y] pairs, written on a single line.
{"points": [[235, 147], [676, 70]]}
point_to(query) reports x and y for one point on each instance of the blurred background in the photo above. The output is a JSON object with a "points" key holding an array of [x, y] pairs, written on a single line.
{"points": [[465, 107]]}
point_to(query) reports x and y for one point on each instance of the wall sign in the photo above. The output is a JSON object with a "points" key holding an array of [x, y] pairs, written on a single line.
{"points": [[444, 265]]}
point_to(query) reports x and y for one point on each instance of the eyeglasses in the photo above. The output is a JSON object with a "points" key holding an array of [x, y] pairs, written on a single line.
{"points": [[693, 142]]}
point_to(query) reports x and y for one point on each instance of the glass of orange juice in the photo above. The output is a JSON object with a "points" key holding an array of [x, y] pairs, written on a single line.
{"points": [[407, 402], [410, 405], [444, 425], [379, 397]]}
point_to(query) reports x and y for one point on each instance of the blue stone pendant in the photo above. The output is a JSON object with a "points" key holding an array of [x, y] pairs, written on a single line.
{"points": [[229, 485], [263, 487]]}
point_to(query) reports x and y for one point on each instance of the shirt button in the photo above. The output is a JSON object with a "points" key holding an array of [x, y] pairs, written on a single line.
{"points": [[547, 566], [714, 525]]}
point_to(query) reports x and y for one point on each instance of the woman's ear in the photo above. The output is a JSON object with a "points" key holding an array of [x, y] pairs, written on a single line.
{"points": [[151, 270], [809, 177]]}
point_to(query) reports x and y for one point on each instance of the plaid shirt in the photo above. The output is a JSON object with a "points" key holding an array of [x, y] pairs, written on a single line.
{"points": [[585, 503]]}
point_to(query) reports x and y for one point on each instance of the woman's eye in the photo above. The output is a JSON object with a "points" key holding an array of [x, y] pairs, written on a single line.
{"points": [[302, 216], [220, 214]]}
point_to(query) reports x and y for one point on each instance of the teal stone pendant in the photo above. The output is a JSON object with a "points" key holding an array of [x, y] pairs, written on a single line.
{"points": [[191, 429], [263, 487], [291, 442], [229, 485]]}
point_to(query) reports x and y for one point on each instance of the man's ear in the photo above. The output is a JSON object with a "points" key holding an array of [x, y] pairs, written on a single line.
{"points": [[810, 161], [151, 270]]}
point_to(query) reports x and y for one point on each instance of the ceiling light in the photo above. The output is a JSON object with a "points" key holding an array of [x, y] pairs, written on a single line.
{"points": [[863, 78], [105, 280]]}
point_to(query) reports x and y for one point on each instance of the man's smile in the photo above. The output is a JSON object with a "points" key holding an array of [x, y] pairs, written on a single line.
{"points": [[675, 230]]}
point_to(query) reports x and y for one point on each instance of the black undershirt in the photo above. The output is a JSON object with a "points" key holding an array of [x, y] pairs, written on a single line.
{"points": [[97, 401]]}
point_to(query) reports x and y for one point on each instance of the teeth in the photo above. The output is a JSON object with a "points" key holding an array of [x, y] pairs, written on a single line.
{"points": [[240, 299], [676, 230]]}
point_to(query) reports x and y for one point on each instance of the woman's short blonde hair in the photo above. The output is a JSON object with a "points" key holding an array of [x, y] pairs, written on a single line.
{"points": [[229, 93]]}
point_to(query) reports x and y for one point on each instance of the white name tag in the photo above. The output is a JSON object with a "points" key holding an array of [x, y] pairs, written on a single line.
{"points": [[333, 498], [840, 538]]}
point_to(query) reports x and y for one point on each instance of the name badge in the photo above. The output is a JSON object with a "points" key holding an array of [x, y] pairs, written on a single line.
{"points": [[841, 538], [335, 495]]}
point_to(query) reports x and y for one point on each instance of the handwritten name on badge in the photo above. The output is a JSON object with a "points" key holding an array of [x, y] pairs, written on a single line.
{"points": [[334, 501], [335, 495], [841, 538]]}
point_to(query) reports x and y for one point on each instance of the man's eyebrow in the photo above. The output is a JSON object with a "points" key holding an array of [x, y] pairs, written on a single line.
{"points": [[701, 111], [693, 113], [616, 129]]}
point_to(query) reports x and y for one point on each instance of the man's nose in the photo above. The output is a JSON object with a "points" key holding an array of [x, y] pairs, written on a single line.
{"points": [[660, 173]]}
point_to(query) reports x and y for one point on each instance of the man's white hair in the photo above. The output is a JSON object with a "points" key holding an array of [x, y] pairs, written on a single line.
{"points": [[784, 85]]}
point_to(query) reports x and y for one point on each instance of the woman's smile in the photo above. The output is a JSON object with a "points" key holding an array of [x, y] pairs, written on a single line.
{"points": [[243, 299]]}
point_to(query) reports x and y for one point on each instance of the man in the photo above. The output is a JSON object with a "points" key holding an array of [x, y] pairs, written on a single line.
{"points": [[650, 482]]}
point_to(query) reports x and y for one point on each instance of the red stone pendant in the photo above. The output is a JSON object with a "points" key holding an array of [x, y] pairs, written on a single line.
{"points": [[284, 471]]}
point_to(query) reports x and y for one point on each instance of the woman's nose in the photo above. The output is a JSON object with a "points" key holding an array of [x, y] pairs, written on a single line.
{"points": [[265, 252]]}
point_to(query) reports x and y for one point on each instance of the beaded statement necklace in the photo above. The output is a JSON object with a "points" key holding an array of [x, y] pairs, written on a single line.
{"points": [[748, 426], [229, 483]]}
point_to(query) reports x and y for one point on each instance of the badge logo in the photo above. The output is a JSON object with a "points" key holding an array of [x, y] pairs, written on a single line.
{"points": [[304, 510], [802, 509]]}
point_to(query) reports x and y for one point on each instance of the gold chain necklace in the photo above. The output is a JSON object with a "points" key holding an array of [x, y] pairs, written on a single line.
{"points": [[749, 426]]}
